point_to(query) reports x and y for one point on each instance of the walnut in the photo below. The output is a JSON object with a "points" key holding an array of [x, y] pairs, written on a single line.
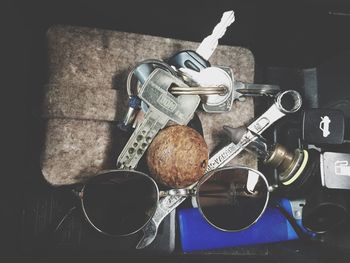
{"points": [[178, 156]]}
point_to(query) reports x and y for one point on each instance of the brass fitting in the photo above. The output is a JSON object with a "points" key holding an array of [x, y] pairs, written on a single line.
{"points": [[286, 162]]}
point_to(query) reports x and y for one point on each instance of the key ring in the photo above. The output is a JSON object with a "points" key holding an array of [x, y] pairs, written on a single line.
{"points": [[143, 69], [219, 90]]}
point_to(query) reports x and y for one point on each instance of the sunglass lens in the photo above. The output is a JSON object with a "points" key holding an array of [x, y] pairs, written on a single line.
{"points": [[232, 199], [120, 202]]}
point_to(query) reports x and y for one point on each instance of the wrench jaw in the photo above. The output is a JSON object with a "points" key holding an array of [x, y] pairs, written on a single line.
{"points": [[288, 101], [165, 206]]}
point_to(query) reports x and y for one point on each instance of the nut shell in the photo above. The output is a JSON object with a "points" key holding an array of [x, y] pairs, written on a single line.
{"points": [[178, 156]]}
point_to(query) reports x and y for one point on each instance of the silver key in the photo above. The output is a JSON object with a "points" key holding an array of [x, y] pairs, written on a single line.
{"points": [[279, 109], [209, 44], [162, 107], [212, 76], [223, 76]]}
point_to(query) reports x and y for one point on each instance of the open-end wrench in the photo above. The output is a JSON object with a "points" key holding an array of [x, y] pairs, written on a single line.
{"points": [[285, 102]]}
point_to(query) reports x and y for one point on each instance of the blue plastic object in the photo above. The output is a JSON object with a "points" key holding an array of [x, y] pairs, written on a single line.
{"points": [[197, 234], [134, 102]]}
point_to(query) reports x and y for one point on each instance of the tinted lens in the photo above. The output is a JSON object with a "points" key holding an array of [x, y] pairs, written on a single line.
{"points": [[120, 202], [232, 199]]}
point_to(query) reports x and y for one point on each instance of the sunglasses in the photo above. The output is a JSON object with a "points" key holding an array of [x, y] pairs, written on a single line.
{"points": [[122, 202]]}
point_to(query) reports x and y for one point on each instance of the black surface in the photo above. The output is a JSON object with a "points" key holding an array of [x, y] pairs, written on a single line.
{"points": [[43, 230], [289, 36]]}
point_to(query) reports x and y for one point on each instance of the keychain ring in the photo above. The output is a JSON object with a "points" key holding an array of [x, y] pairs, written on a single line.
{"points": [[156, 62]]}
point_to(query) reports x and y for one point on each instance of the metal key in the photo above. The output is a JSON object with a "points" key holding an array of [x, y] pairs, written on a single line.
{"points": [[136, 78], [162, 107], [209, 44], [286, 102], [198, 60], [213, 76], [223, 76]]}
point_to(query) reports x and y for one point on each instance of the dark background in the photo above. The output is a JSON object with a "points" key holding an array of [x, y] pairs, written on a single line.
{"points": [[284, 36]]}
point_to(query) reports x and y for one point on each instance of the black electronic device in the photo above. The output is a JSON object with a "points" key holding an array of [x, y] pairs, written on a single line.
{"points": [[323, 126]]}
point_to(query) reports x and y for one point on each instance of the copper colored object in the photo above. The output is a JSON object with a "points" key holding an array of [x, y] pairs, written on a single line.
{"points": [[178, 156], [285, 161]]}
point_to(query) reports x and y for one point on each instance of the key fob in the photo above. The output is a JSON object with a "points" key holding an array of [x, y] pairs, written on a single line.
{"points": [[323, 126], [188, 59]]}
